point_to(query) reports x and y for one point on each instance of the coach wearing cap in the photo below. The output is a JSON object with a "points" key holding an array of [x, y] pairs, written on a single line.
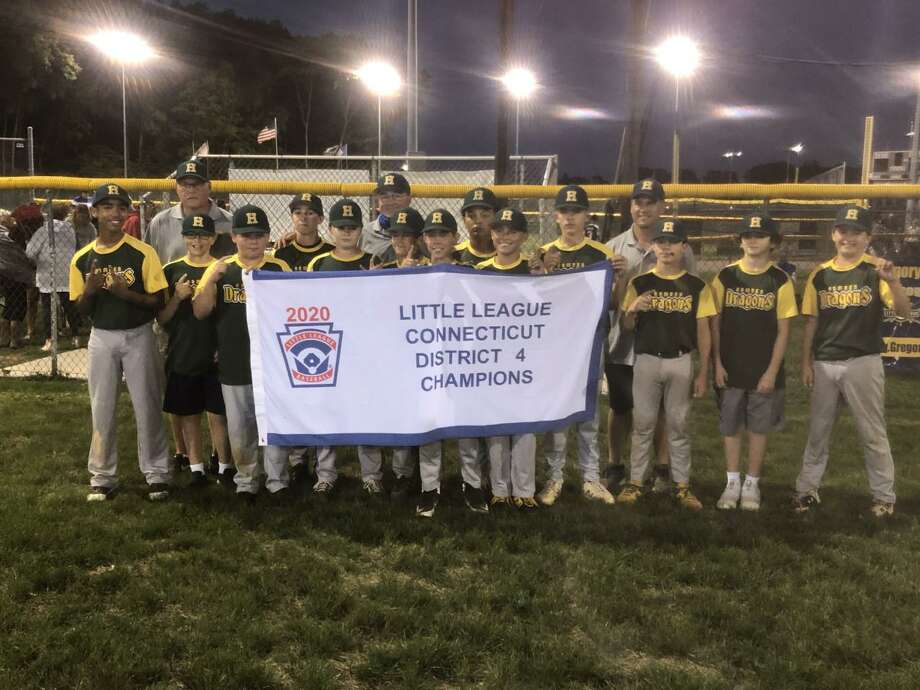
{"points": [[393, 193], [633, 253], [193, 187]]}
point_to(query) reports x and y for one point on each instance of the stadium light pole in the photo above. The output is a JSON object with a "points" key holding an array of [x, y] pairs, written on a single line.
{"points": [[520, 83], [381, 79], [679, 56], [797, 150], [125, 48]]}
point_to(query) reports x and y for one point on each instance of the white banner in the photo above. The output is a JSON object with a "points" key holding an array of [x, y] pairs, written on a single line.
{"points": [[406, 357]]}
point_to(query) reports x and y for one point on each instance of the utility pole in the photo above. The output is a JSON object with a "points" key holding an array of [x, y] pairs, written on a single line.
{"points": [[637, 95], [914, 163], [506, 20], [412, 81]]}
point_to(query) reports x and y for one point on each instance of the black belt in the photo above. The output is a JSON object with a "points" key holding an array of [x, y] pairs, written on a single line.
{"points": [[670, 354]]}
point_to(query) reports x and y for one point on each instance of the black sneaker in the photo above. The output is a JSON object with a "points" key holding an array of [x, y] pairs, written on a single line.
{"points": [[401, 488], [158, 492], [199, 480], [226, 478], [323, 490], [214, 464], [475, 499], [282, 495], [246, 497], [805, 503], [300, 475], [614, 476], [428, 501], [100, 493], [180, 462]]}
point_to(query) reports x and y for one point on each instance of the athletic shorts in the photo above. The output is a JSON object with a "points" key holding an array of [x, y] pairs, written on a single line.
{"points": [[619, 387], [760, 413], [188, 395]]}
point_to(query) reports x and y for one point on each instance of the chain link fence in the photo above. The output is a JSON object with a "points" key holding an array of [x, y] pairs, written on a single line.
{"points": [[50, 337]]}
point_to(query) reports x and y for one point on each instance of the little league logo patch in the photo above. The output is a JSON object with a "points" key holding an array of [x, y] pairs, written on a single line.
{"points": [[311, 353]]}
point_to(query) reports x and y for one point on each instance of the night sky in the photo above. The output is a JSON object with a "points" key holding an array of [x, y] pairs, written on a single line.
{"points": [[764, 55]]}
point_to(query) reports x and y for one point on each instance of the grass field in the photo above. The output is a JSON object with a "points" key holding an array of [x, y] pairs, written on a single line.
{"points": [[200, 592]]}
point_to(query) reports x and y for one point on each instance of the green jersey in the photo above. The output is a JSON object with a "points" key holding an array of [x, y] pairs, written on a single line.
{"points": [[192, 342], [233, 367], [330, 262], [299, 257], [465, 254], [518, 268], [668, 328], [751, 304], [849, 303], [136, 262], [585, 253]]}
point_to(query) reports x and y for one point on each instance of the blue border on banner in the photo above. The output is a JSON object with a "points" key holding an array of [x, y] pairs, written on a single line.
{"points": [[443, 433]]}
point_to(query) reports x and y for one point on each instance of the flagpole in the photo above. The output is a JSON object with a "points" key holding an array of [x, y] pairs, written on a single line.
{"points": [[276, 143]]}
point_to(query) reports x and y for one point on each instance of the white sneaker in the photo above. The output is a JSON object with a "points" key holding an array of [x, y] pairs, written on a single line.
{"points": [[595, 491], [550, 493], [47, 346], [729, 498], [750, 497]]}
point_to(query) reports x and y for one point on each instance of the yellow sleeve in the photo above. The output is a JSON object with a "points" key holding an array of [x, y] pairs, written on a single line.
{"points": [[810, 296], [76, 279], [312, 265], [484, 264], [629, 297], [205, 277], [706, 306], [786, 307], [283, 264], [718, 294], [152, 272], [884, 293]]}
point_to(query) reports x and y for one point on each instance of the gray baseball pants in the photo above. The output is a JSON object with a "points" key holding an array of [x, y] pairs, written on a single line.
{"points": [[429, 463], [132, 352], [861, 383], [474, 453], [512, 465], [554, 445], [244, 444], [370, 458], [657, 380]]}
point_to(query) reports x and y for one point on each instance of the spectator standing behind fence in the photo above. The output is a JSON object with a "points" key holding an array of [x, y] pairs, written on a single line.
{"points": [[29, 218], [51, 251], [16, 274], [83, 228], [193, 187]]}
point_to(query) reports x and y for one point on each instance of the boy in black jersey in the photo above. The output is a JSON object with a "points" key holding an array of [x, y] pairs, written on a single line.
{"points": [[478, 212], [845, 301], [192, 385], [754, 301], [306, 216], [512, 459], [221, 292], [405, 232], [669, 310]]}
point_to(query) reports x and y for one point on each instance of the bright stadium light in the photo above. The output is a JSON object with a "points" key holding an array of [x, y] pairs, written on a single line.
{"points": [[797, 149], [521, 83], [678, 56], [381, 79], [732, 154], [126, 49]]}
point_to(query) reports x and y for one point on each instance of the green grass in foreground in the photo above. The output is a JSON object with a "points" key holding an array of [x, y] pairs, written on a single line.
{"points": [[200, 592]]}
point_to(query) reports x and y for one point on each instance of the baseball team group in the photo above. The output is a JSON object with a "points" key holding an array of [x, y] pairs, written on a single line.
{"points": [[179, 292]]}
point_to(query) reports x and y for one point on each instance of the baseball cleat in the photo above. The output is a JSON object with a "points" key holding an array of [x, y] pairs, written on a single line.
{"points": [[323, 489], [499, 502], [595, 491], [100, 493], [805, 503], [158, 492], [550, 493], [686, 499], [372, 488], [631, 493], [475, 499], [525, 504], [730, 497], [199, 480], [428, 501], [881, 509], [226, 478]]}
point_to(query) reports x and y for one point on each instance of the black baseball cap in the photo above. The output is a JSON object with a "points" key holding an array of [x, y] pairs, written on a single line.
{"points": [[198, 224], [572, 196], [345, 213], [392, 182], [510, 218], [407, 221], [440, 219], [110, 190], [250, 219], [670, 229], [855, 217], [481, 197], [193, 168], [311, 201], [758, 223], [649, 188]]}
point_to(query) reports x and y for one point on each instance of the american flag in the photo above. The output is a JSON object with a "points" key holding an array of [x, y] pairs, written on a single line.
{"points": [[266, 134]]}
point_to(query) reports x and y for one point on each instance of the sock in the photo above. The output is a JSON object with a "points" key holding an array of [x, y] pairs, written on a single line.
{"points": [[222, 467], [733, 477], [198, 467], [751, 481]]}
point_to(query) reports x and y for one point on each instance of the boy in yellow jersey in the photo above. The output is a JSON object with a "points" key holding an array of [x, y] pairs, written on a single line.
{"points": [[221, 293], [478, 212], [573, 250], [844, 304], [754, 302], [669, 309], [117, 281], [512, 459], [192, 386], [306, 216], [345, 222], [440, 236]]}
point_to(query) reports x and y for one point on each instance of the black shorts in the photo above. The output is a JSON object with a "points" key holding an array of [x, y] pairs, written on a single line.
{"points": [[619, 387], [188, 395]]}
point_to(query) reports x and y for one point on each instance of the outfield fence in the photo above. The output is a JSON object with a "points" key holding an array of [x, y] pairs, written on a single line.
{"points": [[805, 213]]}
